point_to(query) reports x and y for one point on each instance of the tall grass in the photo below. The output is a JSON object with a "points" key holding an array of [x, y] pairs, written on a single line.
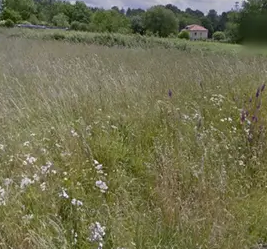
{"points": [[175, 167]]}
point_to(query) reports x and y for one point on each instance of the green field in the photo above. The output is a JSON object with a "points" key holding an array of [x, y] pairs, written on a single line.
{"points": [[177, 167], [128, 41]]}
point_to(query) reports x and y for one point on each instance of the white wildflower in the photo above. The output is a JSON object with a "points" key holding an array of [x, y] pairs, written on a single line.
{"points": [[36, 177], [27, 143], [2, 197], [186, 117], [25, 182], [99, 167], [43, 186], [32, 134], [2, 147], [31, 159], [241, 163], [27, 218], [96, 162], [64, 194], [75, 236], [102, 185], [8, 182], [76, 202], [97, 232], [53, 171], [43, 150], [46, 168], [74, 133], [114, 127]]}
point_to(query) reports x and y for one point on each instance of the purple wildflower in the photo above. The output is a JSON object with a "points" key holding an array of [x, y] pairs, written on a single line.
{"points": [[254, 119], [258, 92], [170, 93], [262, 87], [250, 99]]}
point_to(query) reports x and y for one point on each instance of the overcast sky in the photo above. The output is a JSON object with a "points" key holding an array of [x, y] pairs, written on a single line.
{"points": [[203, 5]]}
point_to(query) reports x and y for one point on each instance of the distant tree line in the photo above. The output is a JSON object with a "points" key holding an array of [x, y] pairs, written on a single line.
{"points": [[238, 25]]}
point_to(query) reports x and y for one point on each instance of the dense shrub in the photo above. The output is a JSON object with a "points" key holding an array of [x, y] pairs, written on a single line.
{"points": [[75, 25], [184, 35], [137, 24], [160, 20], [11, 15], [79, 26], [218, 36], [60, 20], [9, 23], [33, 20]]}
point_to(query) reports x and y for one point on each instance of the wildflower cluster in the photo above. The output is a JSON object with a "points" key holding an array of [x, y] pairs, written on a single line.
{"points": [[250, 114], [101, 184], [217, 100], [97, 233]]}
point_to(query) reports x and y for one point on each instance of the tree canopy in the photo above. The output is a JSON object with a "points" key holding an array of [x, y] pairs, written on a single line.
{"points": [[160, 20], [247, 23]]}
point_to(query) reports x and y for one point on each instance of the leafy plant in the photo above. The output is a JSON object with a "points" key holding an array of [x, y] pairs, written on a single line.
{"points": [[9, 23], [219, 36], [184, 35]]}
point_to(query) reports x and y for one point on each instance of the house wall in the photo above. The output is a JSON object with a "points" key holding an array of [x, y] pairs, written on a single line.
{"points": [[196, 35]]}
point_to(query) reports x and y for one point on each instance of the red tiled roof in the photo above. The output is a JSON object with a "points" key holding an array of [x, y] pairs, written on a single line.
{"points": [[195, 27]]}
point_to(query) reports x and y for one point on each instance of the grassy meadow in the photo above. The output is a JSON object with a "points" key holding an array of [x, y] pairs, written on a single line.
{"points": [[131, 148], [127, 41]]}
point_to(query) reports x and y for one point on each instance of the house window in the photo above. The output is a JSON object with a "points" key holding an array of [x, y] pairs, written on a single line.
{"points": [[200, 34], [196, 34]]}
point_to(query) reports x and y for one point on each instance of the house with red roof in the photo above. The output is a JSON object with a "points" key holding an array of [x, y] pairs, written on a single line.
{"points": [[197, 32]]}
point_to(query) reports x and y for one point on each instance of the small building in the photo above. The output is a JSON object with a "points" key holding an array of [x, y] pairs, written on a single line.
{"points": [[197, 32]]}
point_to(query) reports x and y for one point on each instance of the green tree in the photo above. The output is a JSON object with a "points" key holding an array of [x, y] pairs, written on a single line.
{"points": [[253, 21], [218, 36], [116, 8], [223, 18], [134, 12], [232, 27], [206, 23], [60, 20], [9, 14], [33, 19], [110, 21], [24, 7], [161, 20], [173, 8], [81, 13], [137, 24], [214, 18]]}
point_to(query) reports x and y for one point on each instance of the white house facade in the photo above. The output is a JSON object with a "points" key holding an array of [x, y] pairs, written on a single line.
{"points": [[197, 32]]}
